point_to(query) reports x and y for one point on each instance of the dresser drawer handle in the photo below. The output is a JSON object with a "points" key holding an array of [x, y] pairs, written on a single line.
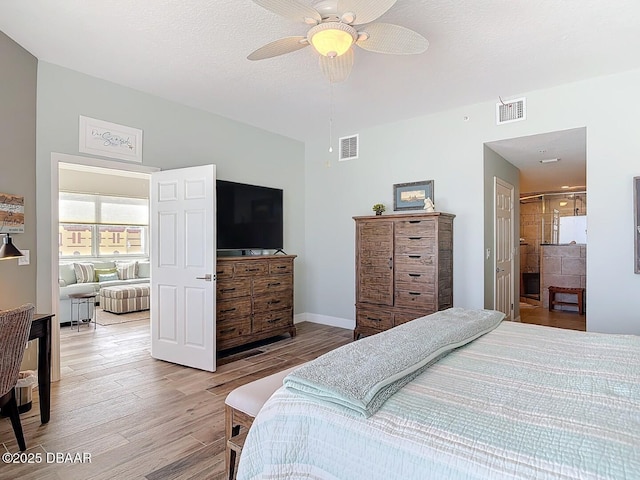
{"points": [[415, 256], [228, 330], [225, 290], [414, 275], [414, 221], [228, 310], [374, 319], [414, 293], [273, 302], [251, 269], [275, 320], [275, 284], [415, 238], [281, 266]]}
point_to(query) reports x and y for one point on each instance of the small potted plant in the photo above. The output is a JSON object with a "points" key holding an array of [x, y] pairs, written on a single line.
{"points": [[378, 208]]}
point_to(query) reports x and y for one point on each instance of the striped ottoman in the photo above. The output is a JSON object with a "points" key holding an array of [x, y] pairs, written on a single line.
{"points": [[125, 298]]}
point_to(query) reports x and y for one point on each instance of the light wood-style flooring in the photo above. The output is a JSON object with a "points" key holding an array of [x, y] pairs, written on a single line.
{"points": [[141, 418], [542, 316]]}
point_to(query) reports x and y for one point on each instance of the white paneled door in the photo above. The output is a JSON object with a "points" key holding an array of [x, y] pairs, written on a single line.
{"points": [[504, 248], [183, 258]]}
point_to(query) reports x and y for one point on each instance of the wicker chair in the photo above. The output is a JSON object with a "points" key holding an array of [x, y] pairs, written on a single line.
{"points": [[14, 333]]}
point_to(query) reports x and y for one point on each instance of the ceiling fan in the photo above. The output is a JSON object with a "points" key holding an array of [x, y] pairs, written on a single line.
{"points": [[336, 25]]}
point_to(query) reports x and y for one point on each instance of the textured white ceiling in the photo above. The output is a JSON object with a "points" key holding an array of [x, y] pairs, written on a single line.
{"points": [[194, 53]]}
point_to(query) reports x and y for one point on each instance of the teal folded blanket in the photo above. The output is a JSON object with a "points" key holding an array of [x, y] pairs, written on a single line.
{"points": [[362, 375]]}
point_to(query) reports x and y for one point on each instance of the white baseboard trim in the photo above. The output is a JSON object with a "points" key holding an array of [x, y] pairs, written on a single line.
{"points": [[324, 320]]}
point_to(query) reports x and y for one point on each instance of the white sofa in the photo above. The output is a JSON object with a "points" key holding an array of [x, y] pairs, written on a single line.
{"points": [[68, 282]]}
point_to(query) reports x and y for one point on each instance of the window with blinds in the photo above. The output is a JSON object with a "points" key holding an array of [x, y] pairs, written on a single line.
{"points": [[102, 225]]}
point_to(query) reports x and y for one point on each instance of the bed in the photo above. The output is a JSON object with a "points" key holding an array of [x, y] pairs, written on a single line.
{"points": [[519, 402]]}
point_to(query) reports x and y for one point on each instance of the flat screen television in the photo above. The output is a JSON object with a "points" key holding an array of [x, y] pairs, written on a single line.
{"points": [[248, 217]]}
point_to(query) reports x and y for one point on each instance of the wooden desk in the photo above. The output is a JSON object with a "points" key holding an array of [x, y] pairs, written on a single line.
{"points": [[41, 329]]}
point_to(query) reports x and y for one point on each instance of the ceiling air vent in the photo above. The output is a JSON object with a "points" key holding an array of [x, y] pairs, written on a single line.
{"points": [[348, 148], [511, 111]]}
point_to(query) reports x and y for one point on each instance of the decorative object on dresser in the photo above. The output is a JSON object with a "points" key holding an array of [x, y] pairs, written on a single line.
{"points": [[411, 196], [254, 299], [429, 207], [378, 208], [404, 269]]}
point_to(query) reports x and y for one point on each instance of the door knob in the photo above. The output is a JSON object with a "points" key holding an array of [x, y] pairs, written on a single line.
{"points": [[206, 278]]}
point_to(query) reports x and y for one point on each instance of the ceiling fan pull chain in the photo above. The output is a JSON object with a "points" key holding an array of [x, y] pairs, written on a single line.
{"points": [[330, 117]]}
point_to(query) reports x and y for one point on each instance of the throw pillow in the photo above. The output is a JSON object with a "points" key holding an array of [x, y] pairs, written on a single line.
{"points": [[127, 271], [104, 271], [144, 270], [84, 272], [106, 277], [67, 274]]}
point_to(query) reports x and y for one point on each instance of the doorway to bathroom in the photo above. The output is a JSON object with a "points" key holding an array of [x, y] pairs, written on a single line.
{"points": [[551, 187], [552, 218]]}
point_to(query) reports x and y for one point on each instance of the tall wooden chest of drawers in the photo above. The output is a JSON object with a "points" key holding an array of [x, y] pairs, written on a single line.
{"points": [[254, 299], [404, 269]]}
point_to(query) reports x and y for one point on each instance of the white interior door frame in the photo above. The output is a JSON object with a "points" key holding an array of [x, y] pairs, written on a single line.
{"points": [[56, 159], [504, 248]]}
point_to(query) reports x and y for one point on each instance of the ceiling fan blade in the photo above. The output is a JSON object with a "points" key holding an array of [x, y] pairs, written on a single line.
{"points": [[337, 69], [365, 10], [393, 39], [279, 47], [291, 9]]}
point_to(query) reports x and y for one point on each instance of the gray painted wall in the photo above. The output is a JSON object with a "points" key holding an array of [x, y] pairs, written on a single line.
{"points": [[496, 166], [18, 69], [174, 136], [448, 148]]}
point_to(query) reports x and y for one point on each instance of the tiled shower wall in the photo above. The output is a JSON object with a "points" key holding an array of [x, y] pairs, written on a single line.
{"points": [[563, 266], [531, 221]]}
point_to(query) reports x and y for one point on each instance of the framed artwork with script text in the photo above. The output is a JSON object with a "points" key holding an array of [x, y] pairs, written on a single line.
{"points": [[106, 139]]}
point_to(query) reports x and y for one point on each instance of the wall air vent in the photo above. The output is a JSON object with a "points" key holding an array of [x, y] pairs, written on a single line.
{"points": [[348, 148], [511, 111]]}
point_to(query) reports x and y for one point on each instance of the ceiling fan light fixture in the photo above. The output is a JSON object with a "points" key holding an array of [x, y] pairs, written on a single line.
{"points": [[332, 39]]}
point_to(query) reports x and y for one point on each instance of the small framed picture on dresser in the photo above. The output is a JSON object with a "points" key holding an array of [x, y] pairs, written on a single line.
{"points": [[412, 196]]}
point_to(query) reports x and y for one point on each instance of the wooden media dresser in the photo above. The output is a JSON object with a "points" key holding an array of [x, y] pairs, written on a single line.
{"points": [[254, 299]]}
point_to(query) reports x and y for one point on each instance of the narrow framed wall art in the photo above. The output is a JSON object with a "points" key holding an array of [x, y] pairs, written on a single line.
{"points": [[107, 139]]}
